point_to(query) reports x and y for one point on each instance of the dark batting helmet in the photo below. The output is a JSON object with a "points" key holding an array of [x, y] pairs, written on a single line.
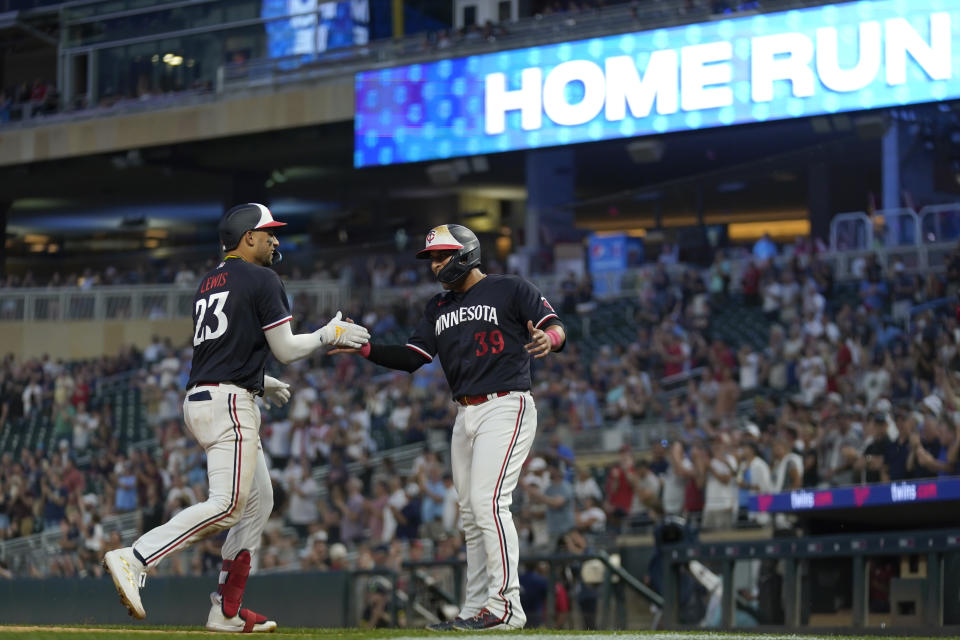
{"points": [[453, 237], [246, 217]]}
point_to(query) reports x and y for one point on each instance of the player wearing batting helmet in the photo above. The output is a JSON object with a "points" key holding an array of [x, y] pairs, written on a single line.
{"points": [[485, 330], [240, 315]]}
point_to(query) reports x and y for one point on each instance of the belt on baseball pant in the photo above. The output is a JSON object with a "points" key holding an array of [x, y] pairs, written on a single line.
{"points": [[467, 401], [195, 393]]}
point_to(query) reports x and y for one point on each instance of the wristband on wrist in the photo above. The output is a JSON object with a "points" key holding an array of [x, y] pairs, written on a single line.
{"points": [[365, 350], [554, 337]]}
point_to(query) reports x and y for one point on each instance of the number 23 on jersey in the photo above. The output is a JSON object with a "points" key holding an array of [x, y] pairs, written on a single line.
{"points": [[214, 304]]}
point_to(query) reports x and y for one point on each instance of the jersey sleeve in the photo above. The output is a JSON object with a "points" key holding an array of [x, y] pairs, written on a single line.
{"points": [[424, 339], [273, 309], [534, 306]]}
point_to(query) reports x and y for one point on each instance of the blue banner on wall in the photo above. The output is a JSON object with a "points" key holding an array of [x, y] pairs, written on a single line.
{"points": [[609, 256], [869, 495], [309, 27], [821, 60]]}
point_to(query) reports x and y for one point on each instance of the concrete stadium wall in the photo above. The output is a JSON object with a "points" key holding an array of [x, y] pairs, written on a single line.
{"points": [[330, 101], [81, 339], [293, 600]]}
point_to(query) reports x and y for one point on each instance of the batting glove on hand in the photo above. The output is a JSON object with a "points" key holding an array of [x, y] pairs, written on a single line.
{"points": [[340, 333], [275, 392]]}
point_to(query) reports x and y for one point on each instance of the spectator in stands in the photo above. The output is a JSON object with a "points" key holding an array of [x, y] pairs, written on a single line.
{"points": [[533, 592], [561, 522], [180, 496], [302, 508], [720, 494], [753, 474], [354, 512], [54, 496], [787, 466], [764, 249], [899, 450], [842, 445], [409, 518], [434, 493], [152, 513], [873, 289], [126, 487]]}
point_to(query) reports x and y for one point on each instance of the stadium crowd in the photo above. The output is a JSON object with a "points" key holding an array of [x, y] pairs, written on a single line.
{"points": [[849, 387]]}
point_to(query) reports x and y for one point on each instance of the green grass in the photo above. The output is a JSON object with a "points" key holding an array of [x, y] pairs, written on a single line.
{"points": [[114, 632]]}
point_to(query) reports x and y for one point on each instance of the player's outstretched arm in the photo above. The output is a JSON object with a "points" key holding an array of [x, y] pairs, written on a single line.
{"points": [[543, 342], [287, 347], [391, 356]]}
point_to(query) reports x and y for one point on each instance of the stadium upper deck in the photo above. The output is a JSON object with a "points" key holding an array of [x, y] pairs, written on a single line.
{"points": [[105, 60]]}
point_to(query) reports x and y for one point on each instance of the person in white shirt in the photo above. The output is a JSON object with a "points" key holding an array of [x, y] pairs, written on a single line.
{"points": [[302, 508], [278, 441], [395, 503], [646, 487], [180, 497], [586, 487], [720, 496], [749, 361], [754, 477], [591, 519], [451, 509], [876, 382], [771, 299], [812, 371], [304, 398], [787, 467], [675, 480]]}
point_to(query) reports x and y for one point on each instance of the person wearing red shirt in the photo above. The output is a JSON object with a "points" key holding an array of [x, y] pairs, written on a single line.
{"points": [[619, 487]]}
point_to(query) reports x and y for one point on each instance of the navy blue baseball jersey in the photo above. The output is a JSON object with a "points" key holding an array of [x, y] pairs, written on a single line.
{"points": [[234, 305], [480, 334]]}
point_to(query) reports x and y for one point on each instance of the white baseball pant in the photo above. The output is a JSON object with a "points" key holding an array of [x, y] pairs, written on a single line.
{"points": [[489, 445], [227, 426]]}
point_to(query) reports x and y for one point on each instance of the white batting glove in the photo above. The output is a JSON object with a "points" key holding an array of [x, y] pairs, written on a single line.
{"points": [[275, 391], [339, 333]]}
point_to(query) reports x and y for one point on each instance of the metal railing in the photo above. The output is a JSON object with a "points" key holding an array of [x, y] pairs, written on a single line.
{"points": [[795, 554], [142, 302], [31, 555], [612, 608], [402, 458]]}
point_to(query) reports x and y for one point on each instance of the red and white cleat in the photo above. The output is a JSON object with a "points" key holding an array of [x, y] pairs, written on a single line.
{"points": [[245, 621]]}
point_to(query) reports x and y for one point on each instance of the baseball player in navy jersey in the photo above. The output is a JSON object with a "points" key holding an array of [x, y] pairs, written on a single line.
{"points": [[484, 328], [240, 315]]}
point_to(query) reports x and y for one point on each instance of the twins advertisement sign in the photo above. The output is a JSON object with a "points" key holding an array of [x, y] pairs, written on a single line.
{"points": [[822, 60], [877, 495]]}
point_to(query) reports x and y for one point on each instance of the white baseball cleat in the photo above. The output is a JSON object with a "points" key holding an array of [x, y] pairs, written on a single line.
{"points": [[129, 575], [244, 622]]}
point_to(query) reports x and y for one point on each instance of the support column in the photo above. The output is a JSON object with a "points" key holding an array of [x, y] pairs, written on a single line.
{"points": [[933, 607], [791, 593], [890, 165], [551, 177], [4, 209], [860, 592], [93, 83], [728, 599], [818, 199]]}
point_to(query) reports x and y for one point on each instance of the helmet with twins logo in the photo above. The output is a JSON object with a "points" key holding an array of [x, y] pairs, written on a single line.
{"points": [[453, 237]]}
